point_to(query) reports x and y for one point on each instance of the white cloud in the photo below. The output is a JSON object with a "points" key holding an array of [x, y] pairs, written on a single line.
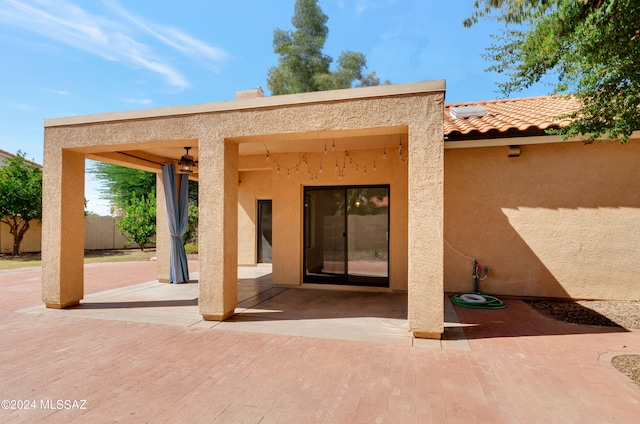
{"points": [[174, 38], [110, 38], [145, 102], [362, 5], [23, 107]]}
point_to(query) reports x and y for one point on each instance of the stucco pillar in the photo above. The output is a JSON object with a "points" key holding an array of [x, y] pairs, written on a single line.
{"points": [[62, 228], [163, 238], [218, 229], [425, 226]]}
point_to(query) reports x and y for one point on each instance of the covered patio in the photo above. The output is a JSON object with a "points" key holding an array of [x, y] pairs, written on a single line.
{"points": [[251, 149], [363, 316]]}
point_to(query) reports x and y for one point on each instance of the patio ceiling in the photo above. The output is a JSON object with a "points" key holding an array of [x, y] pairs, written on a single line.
{"points": [[149, 156]]}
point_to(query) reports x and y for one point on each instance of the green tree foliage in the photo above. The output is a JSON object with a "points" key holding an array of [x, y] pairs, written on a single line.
{"points": [[191, 235], [302, 67], [20, 196], [592, 46], [193, 193], [138, 224], [119, 184]]}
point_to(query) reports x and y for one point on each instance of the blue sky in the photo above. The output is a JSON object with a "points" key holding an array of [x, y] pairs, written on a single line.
{"points": [[73, 57]]}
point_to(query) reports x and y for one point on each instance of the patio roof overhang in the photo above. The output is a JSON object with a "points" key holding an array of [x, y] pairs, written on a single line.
{"points": [[153, 153]]}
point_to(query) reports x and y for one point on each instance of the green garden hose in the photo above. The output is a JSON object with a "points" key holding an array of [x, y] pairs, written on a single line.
{"points": [[477, 301]]}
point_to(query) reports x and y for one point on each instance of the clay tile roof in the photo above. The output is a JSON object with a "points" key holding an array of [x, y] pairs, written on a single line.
{"points": [[508, 117], [11, 155]]}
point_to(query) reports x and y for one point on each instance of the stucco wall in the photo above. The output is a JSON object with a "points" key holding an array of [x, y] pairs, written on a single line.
{"points": [[100, 232], [287, 190], [219, 129], [561, 220], [252, 186]]}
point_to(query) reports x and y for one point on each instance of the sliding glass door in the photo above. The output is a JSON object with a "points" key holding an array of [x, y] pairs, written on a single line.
{"points": [[346, 235]]}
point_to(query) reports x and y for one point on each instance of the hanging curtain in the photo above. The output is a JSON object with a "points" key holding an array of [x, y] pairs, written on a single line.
{"points": [[177, 215]]}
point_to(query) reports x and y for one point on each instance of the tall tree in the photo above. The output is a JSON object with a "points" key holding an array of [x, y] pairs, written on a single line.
{"points": [[302, 67], [20, 196], [592, 46], [119, 184]]}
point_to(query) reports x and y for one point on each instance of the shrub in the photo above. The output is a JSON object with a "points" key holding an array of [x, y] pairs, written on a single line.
{"points": [[191, 248]]}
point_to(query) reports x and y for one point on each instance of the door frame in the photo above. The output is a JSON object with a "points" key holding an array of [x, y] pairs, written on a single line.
{"points": [[259, 209], [343, 278]]}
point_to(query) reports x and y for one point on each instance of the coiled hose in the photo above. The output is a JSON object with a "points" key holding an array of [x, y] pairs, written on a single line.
{"points": [[477, 301]]}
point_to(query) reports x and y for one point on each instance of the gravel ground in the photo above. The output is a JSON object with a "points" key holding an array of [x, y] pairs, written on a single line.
{"points": [[629, 365], [624, 314]]}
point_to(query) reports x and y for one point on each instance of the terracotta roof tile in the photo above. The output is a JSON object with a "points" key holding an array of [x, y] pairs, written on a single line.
{"points": [[509, 117], [8, 155]]}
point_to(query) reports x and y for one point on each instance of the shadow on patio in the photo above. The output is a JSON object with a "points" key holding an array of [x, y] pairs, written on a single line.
{"points": [[519, 319], [379, 317]]}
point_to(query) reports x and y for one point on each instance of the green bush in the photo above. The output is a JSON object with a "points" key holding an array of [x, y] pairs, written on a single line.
{"points": [[138, 224], [191, 248], [191, 234]]}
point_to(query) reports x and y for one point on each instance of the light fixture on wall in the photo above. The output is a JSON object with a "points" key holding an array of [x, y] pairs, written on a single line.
{"points": [[186, 163]]}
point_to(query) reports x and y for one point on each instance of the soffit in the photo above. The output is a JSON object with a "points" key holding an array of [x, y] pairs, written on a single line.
{"points": [[151, 157]]}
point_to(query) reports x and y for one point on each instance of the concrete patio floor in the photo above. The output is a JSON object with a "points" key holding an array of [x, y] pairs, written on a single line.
{"points": [[369, 316], [75, 366]]}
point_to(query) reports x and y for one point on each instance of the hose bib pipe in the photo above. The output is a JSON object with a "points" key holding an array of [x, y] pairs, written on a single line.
{"points": [[476, 299]]}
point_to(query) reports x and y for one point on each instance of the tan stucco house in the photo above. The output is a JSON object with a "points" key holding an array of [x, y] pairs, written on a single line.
{"points": [[377, 188]]}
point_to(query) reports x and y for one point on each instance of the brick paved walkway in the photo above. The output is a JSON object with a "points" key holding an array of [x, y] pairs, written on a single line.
{"points": [[522, 367]]}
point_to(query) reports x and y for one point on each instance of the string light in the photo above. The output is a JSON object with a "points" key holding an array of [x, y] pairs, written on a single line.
{"points": [[403, 157], [313, 175], [267, 149]]}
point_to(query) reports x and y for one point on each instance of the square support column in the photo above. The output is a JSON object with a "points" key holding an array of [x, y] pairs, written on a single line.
{"points": [[425, 228], [163, 238], [62, 228], [218, 229]]}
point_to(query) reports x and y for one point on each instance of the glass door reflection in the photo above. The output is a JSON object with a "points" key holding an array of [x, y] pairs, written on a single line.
{"points": [[346, 235]]}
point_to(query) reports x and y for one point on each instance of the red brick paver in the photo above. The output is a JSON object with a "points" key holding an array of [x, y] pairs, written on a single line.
{"points": [[522, 368]]}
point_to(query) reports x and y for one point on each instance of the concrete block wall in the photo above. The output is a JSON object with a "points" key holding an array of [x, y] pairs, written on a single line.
{"points": [[31, 242], [100, 232]]}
